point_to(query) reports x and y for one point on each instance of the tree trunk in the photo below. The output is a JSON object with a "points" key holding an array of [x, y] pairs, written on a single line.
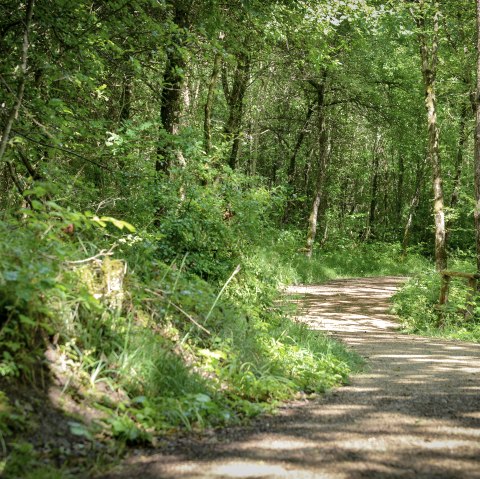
{"points": [[301, 136], [235, 100], [319, 192], [400, 182], [411, 214], [207, 122], [126, 98], [477, 146], [293, 162], [172, 97], [373, 196], [429, 57], [323, 155], [462, 139]]}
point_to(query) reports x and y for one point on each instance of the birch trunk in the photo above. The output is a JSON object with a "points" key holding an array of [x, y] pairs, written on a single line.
{"points": [[323, 156], [429, 58]]}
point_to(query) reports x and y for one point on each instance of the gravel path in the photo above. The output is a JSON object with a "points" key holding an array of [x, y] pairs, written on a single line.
{"points": [[415, 412]]}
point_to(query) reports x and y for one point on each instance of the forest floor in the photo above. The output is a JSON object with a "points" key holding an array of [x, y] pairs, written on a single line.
{"points": [[413, 413]]}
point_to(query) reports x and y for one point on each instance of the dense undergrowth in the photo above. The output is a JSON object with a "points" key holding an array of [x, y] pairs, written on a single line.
{"points": [[417, 304], [173, 326], [342, 258], [155, 330]]}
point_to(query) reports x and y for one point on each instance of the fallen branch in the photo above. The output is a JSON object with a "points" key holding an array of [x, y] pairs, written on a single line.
{"points": [[92, 258], [178, 308]]}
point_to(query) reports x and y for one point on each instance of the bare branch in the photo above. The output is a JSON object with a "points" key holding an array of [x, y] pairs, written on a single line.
{"points": [[21, 85]]}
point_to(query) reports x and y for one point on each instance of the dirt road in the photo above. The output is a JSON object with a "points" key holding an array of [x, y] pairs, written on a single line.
{"points": [[415, 412]]}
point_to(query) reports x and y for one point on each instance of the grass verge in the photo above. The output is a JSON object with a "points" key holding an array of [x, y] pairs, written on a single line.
{"points": [[120, 356], [417, 306]]}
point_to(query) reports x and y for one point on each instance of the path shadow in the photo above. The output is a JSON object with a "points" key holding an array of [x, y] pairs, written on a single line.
{"points": [[415, 413]]}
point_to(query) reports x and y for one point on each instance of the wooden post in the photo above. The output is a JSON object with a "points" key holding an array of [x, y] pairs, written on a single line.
{"points": [[472, 289], [444, 289]]}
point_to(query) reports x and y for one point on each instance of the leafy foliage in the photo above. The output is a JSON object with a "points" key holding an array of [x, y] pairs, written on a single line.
{"points": [[158, 165], [176, 351], [417, 305]]}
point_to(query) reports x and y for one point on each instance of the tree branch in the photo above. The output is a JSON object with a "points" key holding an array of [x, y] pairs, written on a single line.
{"points": [[21, 86]]}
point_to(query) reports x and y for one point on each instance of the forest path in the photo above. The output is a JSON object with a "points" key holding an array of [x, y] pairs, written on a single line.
{"points": [[414, 413]]}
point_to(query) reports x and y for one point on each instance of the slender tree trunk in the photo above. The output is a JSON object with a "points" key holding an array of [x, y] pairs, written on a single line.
{"points": [[400, 183], [293, 161], [429, 57], [253, 150], [307, 171], [411, 213], [477, 146], [319, 193], [22, 71], [126, 98], [374, 191], [462, 139], [323, 152], [173, 90], [235, 100], [298, 144], [207, 122]]}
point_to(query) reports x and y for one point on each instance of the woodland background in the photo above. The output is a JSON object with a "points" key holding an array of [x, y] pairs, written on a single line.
{"points": [[167, 166]]}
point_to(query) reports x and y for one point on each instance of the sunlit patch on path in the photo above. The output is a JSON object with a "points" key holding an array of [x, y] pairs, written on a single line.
{"points": [[414, 412]]}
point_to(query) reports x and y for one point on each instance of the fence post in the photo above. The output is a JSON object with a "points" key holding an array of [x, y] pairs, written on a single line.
{"points": [[444, 288]]}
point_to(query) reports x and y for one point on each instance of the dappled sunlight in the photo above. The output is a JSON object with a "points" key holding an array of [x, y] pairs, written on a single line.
{"points": [[414, 411], [234, 469], [280, 443]]}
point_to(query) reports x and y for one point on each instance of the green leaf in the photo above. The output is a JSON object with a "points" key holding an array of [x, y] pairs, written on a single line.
{"points": [[120, 224], [26, 320], [37, 191], [10, 275], [99, 222], [202, 398], [78, 429], [36, 205]]}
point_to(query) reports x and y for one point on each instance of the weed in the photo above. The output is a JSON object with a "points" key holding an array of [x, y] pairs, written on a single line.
{"points": [[417, 305], [155, 347]]}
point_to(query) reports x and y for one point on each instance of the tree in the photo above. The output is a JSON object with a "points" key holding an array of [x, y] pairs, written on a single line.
{"points": [[477, 146], [235, 96], [22, 74], [173, 87], [429, 62], [322, 162]]}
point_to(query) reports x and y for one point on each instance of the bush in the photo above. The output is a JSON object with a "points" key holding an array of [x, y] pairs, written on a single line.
{"points": [[341, 260], [171, 349], [417, 305]]}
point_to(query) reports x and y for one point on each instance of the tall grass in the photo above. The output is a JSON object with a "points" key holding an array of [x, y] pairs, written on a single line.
{"points": [[417, 305], [341, 260]]}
